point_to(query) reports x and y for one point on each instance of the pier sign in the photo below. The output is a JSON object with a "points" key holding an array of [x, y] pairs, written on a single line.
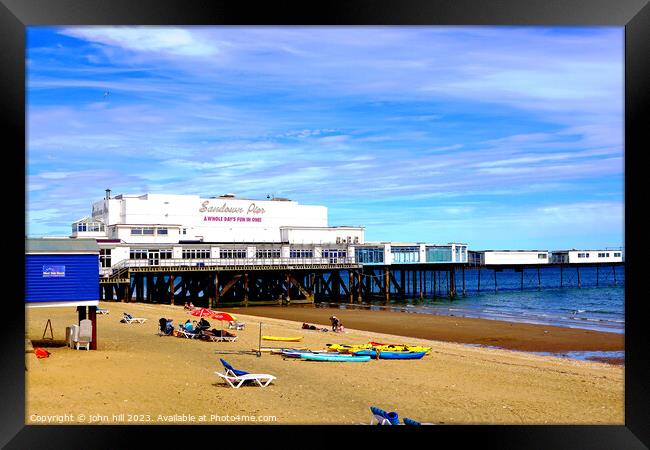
{"points": [[53, 271]]}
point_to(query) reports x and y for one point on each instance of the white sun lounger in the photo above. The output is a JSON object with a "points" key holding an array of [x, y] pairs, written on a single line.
{"points": [[131, 319], [223, 338], [102, 311], [261, 379], [187, 334]]}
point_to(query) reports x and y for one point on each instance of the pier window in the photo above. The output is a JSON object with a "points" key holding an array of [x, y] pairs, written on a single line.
{"points": [[541, 256], [165, 254], [267, 253], [105, 257], [163, 231], [301, 253], [138, 254], [195, 253], [438, 254], [406, 254], [370, 255], [85, 225], [617, 255], [232, 253]]}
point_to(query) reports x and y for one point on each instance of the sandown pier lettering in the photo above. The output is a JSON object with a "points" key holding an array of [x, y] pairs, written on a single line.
{"points": [[252, 209]]}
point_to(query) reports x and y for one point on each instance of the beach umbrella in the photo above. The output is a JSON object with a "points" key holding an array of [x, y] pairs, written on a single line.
{"points": [[202, 312], [224, 316]]}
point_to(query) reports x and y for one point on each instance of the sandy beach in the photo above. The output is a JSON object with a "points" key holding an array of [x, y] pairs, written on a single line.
{"points": [[138, 377]]}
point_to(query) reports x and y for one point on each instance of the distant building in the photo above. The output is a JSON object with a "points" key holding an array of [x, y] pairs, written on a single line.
{"points": [[587, 256], [505, 257]]}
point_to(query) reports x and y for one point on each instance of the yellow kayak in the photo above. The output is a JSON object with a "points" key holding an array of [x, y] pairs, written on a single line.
{"points": [[280, 338]]}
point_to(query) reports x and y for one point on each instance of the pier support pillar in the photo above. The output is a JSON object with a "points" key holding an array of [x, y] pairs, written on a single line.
{"points": [[522, 279], [351, 286], [386, 284], [578, 269], [539, 279], [463, 281], [614, 269], [216, 289], [421, 284], [495, 280], [359, 296], [171, 290], [452, 283], [561, 276], [245, 289], [479, 280], [597, 276]]}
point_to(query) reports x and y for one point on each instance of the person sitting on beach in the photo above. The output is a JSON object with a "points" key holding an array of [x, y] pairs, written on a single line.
{"points": [[203, 324], [188, 325], [335, 323], [306, 326], [186, 306], [191, 306]]}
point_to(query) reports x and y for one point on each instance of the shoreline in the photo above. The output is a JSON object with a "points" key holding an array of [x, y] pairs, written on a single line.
{"points": [[461, 330]]}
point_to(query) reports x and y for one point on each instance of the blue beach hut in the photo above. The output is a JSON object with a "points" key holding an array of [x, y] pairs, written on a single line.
{"points": [[63, 273]]}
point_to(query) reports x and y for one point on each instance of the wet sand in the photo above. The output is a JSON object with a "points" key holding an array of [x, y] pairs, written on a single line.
{"points": [[138, 377], [507, 335]]}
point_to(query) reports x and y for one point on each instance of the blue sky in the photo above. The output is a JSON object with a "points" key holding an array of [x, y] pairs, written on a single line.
{"points": [[501, 137]]}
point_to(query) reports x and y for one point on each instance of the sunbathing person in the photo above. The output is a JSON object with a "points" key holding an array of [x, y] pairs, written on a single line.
{"points": [[203, 324], [335, 323]]}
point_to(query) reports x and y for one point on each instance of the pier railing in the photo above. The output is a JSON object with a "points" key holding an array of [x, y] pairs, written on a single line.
{"points": [[126, 264]]}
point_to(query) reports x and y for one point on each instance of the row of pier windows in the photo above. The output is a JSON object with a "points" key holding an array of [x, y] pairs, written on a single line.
{"points": [[268, 253], [232, 253], [149, 231], [88, 226], [196, 253], [301, 253], [370, 255]]}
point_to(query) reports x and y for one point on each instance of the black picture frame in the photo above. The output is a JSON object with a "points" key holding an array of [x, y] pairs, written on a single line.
{"points": [[634, 15]]}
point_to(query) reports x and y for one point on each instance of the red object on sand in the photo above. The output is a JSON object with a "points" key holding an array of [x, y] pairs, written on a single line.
{"points": [[41, 352], [202, 312]]}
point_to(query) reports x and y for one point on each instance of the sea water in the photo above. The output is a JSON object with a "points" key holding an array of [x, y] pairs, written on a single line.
{"points": [[597, 303]]}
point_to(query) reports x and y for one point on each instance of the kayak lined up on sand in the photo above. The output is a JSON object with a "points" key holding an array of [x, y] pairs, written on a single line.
{"points": [[352, 348], [280, 338], [389, 355], [334, 358], [292, 353]]}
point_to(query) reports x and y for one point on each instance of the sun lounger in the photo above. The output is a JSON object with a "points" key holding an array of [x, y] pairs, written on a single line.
{"points": [[261, 379], [128, 318], [378, 416], [236, 325], [102, 311], [216, 338], [187, 334], [230, 370]]}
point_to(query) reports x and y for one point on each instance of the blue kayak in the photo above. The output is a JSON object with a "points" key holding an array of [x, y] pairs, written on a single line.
{"points": [[299, 353], [390, 355], [339, 358]]}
